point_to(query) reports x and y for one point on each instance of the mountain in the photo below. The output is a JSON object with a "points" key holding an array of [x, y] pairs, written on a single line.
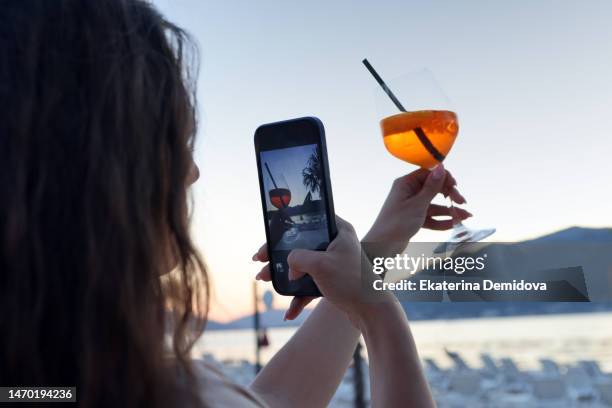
{"points": [[590, 248], [587, 248], [578, 234]]}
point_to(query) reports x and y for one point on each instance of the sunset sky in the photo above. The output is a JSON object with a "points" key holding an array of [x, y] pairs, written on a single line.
{"points": [[529, 80]]}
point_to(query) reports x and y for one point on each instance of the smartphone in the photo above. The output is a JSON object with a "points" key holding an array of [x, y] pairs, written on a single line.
{"points": [[296, 196]]}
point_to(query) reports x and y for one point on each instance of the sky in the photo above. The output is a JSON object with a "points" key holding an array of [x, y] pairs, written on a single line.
{"points": [[530, 81]]}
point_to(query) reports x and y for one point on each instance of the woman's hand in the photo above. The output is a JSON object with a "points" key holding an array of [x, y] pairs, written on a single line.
{"points": [[298, 303], [336, 271], [408, 207]]}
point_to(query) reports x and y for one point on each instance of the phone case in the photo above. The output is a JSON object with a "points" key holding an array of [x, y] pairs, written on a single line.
{"points": [[304, 286]]}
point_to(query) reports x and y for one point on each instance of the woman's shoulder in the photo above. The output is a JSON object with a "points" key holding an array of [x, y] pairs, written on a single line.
{"points": [[219, 390]]}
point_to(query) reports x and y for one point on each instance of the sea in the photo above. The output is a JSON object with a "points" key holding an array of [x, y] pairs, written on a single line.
{"points": [[564, 338]]}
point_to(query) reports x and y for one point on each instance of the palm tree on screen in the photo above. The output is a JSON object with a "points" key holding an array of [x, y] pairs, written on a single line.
{"points": [[311, 175]]}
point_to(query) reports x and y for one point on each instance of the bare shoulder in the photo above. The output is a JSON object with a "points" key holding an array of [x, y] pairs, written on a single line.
{"points": [[218, 390]]}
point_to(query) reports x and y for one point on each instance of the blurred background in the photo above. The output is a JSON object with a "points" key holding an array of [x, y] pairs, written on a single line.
{"points": [[531, 84]]}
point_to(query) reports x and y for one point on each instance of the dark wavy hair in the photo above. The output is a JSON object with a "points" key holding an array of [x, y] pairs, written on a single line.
{"points": [[97, 125]]}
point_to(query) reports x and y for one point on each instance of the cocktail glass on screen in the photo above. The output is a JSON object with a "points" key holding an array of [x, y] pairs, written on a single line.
{"points": [[279, 195], [420, 128]]}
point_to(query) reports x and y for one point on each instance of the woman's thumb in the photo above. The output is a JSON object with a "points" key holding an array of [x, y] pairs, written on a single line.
{"points": [[304, 261], [433, 184]]}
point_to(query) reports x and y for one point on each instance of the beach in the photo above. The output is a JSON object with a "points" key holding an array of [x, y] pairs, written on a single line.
{"points": [[561, 360]]}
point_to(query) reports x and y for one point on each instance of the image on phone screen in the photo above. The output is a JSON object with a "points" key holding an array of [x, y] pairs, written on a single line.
{"points": [[295, 202]]}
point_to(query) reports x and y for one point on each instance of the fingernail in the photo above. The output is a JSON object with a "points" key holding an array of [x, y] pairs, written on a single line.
{"points": [[255, 257], [258, 276], [290, 274], [438, 172]]}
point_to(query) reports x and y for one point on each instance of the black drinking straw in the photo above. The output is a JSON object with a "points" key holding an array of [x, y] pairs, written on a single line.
{"points": [[271, 176], [383, 85], [418, 131]]}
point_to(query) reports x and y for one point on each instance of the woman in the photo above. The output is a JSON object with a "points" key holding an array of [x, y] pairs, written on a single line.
{"points": [[97, 126]]}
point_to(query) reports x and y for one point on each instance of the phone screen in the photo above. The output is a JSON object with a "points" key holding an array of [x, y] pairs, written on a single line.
{"points": [[296, 196], [295, 202]]}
